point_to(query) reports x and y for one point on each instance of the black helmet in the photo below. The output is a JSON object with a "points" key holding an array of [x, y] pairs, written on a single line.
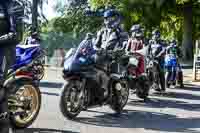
{"points": [[110, 13], [135, 27], [156, 34], [89, 35], [137, 31], [111, 18], [173, 42]]}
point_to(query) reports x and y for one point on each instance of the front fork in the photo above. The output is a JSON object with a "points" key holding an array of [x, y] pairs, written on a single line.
{"points": [[81, 97]]}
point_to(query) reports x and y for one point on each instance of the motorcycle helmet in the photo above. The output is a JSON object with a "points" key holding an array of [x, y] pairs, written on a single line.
{"points": [[34, 34], [89, 36], [173, 41], [156, 34], [111, 18], [136, 31]]}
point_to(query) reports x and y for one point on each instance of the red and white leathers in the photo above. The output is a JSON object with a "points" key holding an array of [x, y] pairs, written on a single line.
{"points": [[133, 46]]}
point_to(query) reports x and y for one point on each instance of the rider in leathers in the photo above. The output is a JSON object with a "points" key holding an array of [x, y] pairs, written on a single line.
{"points": [[108, 38], [136, 43], [8, 41], [157, 51], [175, 50]]}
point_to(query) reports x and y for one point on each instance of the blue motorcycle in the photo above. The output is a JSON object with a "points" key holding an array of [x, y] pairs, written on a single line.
{"points": [[83, 90], [23, 83], [171, 69]]}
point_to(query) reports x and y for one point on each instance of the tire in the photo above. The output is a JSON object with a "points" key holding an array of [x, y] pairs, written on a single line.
{"points": [[143, 95], [17, 121], [116, 103], [65, 94], [143, 90]]}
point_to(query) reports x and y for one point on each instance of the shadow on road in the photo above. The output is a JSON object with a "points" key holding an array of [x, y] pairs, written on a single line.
{"points": [[162, 103], [179, 95], [148, 120], [39, 130], [161, 122], [191, 87], [176, 103]]}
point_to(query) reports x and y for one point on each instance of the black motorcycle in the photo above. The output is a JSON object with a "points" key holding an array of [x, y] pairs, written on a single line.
{"points": [[82, 90], [153, 73]]}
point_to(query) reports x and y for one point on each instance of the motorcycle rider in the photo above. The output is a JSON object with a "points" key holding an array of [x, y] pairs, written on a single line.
{"points": [[108, 38], [157, 51], [136, 43], [176, 51], [8, 40]]}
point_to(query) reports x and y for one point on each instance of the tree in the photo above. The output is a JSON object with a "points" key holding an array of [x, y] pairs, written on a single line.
{"points": [[173, 17], [74, 19], [187, 44], [35, 14], [31, 12]]}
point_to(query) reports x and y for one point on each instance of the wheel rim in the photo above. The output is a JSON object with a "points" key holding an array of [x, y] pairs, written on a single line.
{"points": [[39, 71], [124, 93], [28, 91]]}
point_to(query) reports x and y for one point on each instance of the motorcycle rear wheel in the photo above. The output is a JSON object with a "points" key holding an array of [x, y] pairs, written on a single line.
{"points": [[143, 92]]}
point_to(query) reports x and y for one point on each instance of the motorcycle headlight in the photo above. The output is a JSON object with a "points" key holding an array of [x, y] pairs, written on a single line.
{"points": [[150, 65], [133, 61]]}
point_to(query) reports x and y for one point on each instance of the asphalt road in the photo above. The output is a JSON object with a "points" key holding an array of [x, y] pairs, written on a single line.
{"points": [[176, 112]]}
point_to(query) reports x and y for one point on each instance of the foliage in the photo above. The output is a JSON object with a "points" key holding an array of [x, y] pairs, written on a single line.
{"points": [[75, 20], [53, 38], [164, 14]]}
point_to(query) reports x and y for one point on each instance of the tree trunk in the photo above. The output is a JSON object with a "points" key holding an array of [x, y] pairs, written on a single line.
{"points": [[35, 15], [187, 32]]}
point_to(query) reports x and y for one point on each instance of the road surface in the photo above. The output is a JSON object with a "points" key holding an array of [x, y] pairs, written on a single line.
{"points": [[178, 111]]}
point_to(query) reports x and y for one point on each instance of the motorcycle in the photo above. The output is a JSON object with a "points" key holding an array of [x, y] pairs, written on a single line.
{"points": [[137, 81], [153, 73], [82, 91], [23, 84], [155, 66]]}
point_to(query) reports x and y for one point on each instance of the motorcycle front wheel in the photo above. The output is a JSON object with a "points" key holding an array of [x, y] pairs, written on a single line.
{"points": [[25, 105], [71, 99], [120, 94]]}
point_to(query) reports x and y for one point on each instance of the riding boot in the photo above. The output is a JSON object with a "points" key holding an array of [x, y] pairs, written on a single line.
{"points": [[167, 79], [180, 79], [103, 85], [162, 81]]}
